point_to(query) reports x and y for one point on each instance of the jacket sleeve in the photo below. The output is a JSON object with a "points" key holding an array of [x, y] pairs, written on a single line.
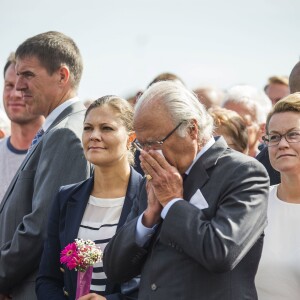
{"points": [[50, 279]]}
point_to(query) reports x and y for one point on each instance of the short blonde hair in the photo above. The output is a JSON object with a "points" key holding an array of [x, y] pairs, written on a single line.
{"points": [[290, 103]]}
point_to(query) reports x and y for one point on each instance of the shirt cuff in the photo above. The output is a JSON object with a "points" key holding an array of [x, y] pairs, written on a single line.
{"points": [[143, 234], [168, 206]]}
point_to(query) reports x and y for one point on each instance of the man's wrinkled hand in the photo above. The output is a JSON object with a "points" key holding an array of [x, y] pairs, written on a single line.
{"points": [[166, 183]]}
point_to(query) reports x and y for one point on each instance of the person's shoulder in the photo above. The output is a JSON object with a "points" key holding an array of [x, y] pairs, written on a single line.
{"points": [[237, 159], [65, 129], [71, 118], [263, 155], [4, 140], [75, 111]]}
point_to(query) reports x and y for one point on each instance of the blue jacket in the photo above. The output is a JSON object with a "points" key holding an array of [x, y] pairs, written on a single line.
{"points": [[56, 281]]}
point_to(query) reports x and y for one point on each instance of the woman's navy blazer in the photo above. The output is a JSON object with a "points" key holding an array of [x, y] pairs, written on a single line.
{"points": [[55, 281]]}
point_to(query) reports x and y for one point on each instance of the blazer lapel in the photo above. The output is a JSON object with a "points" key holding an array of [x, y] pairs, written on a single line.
{"points": [[74, 213], [130, 195], [199, 175], [75, 210]]}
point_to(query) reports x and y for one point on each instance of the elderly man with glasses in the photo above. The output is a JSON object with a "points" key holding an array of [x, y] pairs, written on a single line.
{"points": [[196, 228]]}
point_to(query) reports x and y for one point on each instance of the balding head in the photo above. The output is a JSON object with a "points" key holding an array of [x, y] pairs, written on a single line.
{"points": [[294, 80]]}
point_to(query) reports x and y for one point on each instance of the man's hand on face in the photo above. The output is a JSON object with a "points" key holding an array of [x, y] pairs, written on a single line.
{"points": [[154, 208], [166, 183]]}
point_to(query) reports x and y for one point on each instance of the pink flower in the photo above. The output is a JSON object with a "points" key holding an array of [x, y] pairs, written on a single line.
{"points": [[69, 256]]}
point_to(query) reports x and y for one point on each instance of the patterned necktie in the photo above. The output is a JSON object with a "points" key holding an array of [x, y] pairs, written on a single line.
{"points": [[36, 138]]}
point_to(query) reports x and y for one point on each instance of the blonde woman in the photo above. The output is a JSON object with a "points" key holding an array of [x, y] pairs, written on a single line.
{"points": [[93, 209], [278, 274]]}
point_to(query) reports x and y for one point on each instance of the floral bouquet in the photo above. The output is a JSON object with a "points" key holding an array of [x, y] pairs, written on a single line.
{"points": [[81, 255]]}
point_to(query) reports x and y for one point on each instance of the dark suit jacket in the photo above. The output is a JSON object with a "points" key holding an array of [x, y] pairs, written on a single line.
{"points": [[196, 254], [263, 157], [55, 279], [56, 160]]}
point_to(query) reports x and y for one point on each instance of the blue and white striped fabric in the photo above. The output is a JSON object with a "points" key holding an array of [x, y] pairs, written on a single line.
{"points": [[99, 224]]}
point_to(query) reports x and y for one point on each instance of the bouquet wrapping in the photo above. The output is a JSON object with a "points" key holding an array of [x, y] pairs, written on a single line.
{"points": [[84, 282]]}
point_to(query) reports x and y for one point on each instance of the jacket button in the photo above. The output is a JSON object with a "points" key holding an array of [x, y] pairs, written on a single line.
{"points": [[153, 287], [62, 270], [65, 292]]}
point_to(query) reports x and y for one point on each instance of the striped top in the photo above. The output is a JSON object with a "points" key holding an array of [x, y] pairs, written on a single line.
{"points": [[99, 224]]}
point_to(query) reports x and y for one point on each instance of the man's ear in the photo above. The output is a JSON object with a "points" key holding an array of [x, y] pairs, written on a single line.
{"points": [[193, 129], [64, 75]]}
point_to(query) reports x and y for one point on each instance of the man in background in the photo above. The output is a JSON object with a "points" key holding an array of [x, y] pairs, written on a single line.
{"points": [[277, 88], [294, 80], [49, 68], [209, 96], [23, 127]]}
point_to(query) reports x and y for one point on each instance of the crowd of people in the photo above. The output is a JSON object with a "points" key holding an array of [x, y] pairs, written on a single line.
{"points": [[189, 194]]}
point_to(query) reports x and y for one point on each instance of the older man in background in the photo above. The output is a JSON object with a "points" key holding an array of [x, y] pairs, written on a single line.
{"points": [[277, 88]]}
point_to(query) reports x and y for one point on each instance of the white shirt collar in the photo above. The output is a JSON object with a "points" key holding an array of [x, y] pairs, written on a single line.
{"points": [[56, 112], [200, 153]]}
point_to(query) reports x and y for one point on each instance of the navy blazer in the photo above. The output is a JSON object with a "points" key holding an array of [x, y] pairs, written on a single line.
{"points": [[56, 281]]}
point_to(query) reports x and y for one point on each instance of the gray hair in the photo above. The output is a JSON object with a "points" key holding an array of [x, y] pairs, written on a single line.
{"points": [[182, 105], [252, 97]]}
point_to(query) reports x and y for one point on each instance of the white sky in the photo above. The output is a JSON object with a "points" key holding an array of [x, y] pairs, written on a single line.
{"points": [[126, 43]]}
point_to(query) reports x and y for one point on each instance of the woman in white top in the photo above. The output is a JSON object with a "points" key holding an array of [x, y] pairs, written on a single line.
{"points": [[278, 276], [95, 208]]}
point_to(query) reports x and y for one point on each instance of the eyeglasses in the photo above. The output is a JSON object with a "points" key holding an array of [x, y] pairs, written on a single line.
{"points": [[155, 144], [274, 139]]}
